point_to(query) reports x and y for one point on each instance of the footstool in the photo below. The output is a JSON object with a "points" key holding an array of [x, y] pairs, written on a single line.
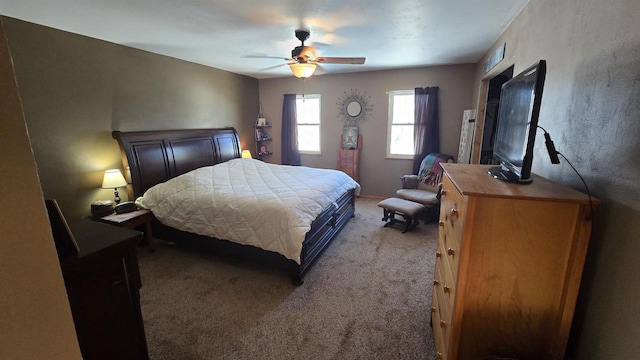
{"points": [[409, 210]]}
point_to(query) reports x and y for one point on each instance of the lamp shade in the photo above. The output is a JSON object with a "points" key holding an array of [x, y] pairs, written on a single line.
{"points": [[113, 179], [302, 70], [246, 154]]}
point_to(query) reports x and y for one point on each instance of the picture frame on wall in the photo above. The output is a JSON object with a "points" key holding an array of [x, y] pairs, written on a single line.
{"points": [[349, 137]]}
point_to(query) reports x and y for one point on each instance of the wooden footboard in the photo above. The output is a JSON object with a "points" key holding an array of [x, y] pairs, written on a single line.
{"points": [[324, 229]]}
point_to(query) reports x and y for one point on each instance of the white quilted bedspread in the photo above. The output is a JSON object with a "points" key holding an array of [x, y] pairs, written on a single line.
{"points": [[249, 202]]}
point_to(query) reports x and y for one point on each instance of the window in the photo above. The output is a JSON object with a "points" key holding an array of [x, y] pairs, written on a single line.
{"points": [[400, 129], [308, 122]]}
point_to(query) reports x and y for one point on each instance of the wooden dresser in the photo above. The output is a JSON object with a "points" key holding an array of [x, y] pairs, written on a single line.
{"points": [[508, 265], [349, 160]]}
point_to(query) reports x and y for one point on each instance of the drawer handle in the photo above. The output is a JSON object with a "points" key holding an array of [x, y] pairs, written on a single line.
{"points": [[451, 252], [438, 254], [446, 289], [443, 192], [439, 355], [436, 282], [441, 223], [433, 309], [443, 324], [454, 212]]}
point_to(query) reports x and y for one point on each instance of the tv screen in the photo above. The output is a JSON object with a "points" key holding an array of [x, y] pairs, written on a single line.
{"points": [[518, 112]]}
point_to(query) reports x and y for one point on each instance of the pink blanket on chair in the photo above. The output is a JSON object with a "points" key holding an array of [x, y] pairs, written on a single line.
{"points": [[430, 170]]}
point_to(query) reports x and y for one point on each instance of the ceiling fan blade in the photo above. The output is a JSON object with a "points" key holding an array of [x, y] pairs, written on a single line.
{"points": [[320, 47], [320, 70], [265, 57], [341, 60], [273, 67]]}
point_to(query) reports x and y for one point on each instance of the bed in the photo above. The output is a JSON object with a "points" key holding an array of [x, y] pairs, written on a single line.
{"points": [[166, 156]]}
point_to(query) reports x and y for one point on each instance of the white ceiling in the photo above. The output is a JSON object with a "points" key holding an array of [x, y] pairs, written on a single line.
{"points": [[391, 34]]}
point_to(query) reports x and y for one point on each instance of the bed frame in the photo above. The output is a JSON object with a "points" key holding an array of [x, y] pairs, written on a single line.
{"points": [[157, 156]]}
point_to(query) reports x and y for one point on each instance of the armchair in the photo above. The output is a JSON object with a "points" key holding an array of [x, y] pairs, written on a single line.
{"points": [[424, 188]]}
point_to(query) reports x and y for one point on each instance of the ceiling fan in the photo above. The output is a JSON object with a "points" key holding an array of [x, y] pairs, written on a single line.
{"points": [[303, 60]]}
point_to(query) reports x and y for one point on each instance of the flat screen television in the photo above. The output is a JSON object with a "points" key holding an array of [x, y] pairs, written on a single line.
{"points": [[517, 120]]}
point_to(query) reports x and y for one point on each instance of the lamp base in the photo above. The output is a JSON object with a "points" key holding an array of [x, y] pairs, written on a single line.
{"points": [[117, 196]]}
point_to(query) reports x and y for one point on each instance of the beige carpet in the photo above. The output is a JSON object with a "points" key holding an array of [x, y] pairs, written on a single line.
{"points": [[367, 297]]}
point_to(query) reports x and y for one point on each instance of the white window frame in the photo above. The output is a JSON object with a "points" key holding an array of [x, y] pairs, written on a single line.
{"points": [[319, 125], [390, 124]]}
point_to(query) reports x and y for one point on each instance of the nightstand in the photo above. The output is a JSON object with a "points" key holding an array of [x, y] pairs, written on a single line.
{"points": [[103, 286], [132, 220]]}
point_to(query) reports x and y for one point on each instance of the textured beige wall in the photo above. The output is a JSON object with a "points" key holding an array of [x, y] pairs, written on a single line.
{"points": [[76, 90], [591, 108], [378, 176], [35, 320]]}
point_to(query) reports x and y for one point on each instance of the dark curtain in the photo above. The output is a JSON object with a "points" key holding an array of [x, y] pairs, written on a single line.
{"points": [[426, 129], [290, 153]]}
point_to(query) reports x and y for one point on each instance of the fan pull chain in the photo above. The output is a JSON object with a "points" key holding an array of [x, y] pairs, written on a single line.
{"points": [[303, 89]]}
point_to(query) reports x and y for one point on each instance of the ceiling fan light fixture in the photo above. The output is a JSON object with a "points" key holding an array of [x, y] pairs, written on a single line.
{"points": [[302, 70]]}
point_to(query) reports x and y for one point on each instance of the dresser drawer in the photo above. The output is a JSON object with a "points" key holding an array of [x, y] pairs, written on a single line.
{"points": [[453, 204], [347, 163], [347, 155], [446, 281], [438, 288], [438, 331], [453, 211], [449, 240]]}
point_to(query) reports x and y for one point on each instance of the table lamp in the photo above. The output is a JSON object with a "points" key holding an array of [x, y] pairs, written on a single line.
{"points": [[113, 179], [246, 154]]}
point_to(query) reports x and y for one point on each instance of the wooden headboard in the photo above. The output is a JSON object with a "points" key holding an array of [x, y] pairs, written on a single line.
{"points": [[157, 156]]}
